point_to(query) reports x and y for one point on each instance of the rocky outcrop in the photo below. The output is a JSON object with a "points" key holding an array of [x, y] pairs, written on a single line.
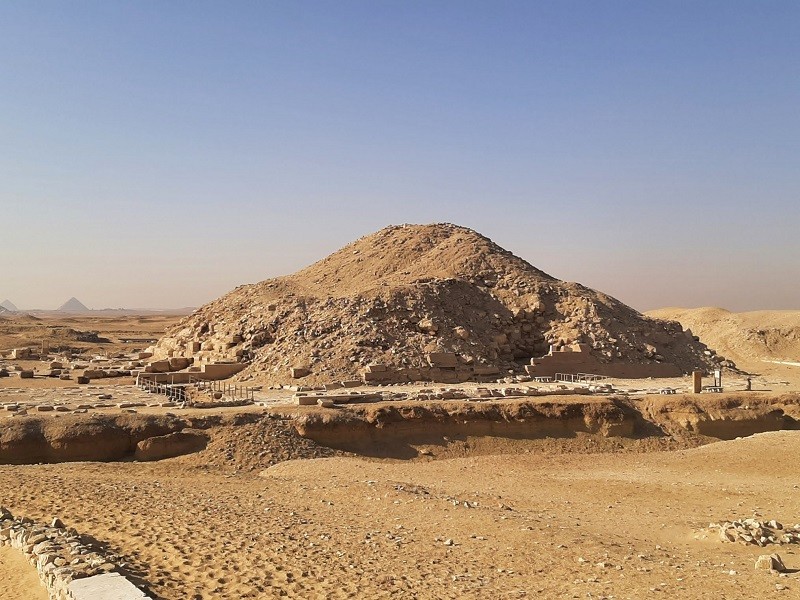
{"points": [[757, 532], [170, 445]]}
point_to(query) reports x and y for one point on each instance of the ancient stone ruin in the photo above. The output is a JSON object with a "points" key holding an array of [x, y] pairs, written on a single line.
{"points": [[68, 567], [427, 302]]}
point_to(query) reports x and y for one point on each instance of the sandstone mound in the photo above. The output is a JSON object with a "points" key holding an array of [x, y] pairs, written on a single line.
{"points": [[400, 294], [749, 338]]}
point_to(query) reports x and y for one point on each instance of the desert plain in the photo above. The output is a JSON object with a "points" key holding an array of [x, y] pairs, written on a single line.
{"points": [[575, 516]]}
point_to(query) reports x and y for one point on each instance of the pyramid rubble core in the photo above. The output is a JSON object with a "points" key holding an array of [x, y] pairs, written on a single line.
{"points": [[418, 302]]}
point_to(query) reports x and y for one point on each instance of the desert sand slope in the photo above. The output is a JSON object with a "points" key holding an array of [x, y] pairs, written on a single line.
{"points": [[405, 291], [747, 338], [560, 525]]}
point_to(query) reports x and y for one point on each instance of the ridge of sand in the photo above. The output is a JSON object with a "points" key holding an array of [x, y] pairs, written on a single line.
{"points": [[752, 339]]}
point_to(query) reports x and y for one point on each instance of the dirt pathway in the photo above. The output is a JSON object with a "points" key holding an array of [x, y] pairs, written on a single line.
{"points": [[18, 579]]}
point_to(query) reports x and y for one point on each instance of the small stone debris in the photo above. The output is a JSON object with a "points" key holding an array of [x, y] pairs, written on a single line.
{"points": [[757, 533], [770, 562]]}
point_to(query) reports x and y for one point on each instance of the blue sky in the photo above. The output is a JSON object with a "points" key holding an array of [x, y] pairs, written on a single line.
{"points": [[158, 154]]}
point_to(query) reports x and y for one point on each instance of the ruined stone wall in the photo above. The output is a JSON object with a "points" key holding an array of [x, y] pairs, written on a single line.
{"points": [[61, 558], [577, 359]]}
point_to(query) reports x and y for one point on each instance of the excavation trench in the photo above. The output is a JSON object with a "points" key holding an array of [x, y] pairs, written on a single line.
{"points": [[399, 430], [396, 430]]}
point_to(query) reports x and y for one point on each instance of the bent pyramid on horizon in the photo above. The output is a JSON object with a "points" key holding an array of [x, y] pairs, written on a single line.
{"points": [[8, 305], [400, 295], [73, 305]]}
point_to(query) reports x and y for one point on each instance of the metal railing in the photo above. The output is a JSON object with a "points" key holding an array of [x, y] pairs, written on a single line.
{"points": [[579, 377], [228, 390], [180, 392]]}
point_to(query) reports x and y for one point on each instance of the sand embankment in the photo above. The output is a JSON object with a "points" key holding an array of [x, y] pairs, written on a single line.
{"points": [[396, 430], [73, 438]]}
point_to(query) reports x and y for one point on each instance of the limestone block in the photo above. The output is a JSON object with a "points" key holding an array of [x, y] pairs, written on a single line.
{"points": [[461, 332], [443, 359], [427, 326], [179, 363], [159, 366], [303, 400], [770, 562], [486, 370], [108, 586]]}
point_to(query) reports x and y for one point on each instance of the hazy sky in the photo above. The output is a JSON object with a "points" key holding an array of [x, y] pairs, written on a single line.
{"points": [[157, 154]]}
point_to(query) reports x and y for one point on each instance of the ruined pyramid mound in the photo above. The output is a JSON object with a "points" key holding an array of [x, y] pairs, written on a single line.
{"points": [[398, 295], [73, 305]]}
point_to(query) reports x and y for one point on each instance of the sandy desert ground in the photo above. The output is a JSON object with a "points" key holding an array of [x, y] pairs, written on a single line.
{"points": [[54, 329], [18, 579], [259, 514], [529, 524]]}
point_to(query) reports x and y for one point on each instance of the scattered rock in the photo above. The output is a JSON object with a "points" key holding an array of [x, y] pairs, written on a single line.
{"points": [[770, 562], [757, 533]]}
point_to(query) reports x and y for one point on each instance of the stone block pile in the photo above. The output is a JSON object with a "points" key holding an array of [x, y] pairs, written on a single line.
{"points": [[758, 533], [442, 367]]}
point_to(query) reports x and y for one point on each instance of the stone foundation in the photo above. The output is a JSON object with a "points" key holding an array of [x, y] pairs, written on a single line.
{"points": [[577, 358], [444, 367]]}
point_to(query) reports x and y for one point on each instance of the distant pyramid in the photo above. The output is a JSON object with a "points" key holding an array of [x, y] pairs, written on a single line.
{"points": [[73, 305], [8, 305]]}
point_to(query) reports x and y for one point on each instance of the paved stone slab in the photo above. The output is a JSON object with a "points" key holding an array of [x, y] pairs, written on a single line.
{"points": [[108, 586]]}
